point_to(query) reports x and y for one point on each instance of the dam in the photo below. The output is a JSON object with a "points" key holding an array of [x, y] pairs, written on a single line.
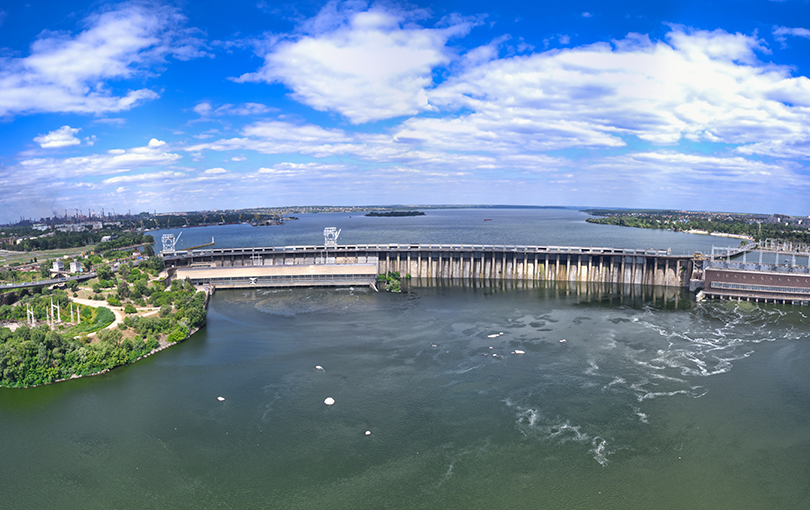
{"points": [[360, 264]]}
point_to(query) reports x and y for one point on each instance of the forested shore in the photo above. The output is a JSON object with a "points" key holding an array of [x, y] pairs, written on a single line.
{"points": [[86, 341]]}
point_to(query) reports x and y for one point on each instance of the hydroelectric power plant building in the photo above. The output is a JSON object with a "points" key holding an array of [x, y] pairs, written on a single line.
{"points": [[333, 265]]}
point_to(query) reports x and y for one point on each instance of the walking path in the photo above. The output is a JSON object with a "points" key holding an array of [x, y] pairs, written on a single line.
{"points": [[117, 310]]}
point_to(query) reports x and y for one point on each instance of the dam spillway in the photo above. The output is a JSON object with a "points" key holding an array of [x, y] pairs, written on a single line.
{"points": [[451, 261]]}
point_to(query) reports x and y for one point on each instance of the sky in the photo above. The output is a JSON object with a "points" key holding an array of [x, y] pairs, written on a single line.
{"points": [[192, 105]]}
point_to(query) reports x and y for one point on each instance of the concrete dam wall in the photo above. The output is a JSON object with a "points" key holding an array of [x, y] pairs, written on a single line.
{"points": [[465, 262]]}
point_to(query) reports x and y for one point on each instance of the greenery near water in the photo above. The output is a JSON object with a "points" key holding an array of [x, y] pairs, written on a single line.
{"points": [[652, 401]]}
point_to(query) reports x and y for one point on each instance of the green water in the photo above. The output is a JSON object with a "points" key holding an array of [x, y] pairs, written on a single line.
{"points": [[649, 403]]}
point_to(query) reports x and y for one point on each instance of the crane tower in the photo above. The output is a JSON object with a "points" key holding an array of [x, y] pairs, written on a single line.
{"points": [[330, 236], [169, 241]]}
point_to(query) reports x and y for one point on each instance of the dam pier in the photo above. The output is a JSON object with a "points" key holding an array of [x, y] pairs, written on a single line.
{"points": [[360, 264]]}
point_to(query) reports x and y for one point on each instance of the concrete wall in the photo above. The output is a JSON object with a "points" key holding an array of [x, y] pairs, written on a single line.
{"points": [[639, 267]]}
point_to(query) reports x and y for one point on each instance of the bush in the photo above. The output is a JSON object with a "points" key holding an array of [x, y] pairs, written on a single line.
{"points": [[180, 332], [165, 310], [113, 301], [130, 308]]}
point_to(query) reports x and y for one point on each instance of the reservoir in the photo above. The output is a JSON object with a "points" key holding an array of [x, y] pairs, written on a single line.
{"points": [[493, 395]]}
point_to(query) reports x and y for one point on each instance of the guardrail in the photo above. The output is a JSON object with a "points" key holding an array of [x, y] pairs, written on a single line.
{"points": [[51, 281], [483, 248]]}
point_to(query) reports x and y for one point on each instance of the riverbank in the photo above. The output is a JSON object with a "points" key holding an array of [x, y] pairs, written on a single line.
{"points": [[54, 352], [719, 234]]}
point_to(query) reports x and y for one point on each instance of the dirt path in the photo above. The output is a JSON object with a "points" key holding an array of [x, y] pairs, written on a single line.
{"points": [[117, 310]]}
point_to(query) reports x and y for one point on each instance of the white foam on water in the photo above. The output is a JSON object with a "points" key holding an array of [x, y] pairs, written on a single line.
{"points": [[592, 367], [468, 369], [600, 451], [616, 380], [531, 423], [643, 418]]}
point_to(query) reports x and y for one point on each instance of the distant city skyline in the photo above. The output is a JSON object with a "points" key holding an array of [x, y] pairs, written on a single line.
{"points": [[165, 106]]}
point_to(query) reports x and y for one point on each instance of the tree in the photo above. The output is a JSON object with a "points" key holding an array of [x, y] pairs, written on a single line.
{"points": [[123, 289], [104, 272], [130, 308]]}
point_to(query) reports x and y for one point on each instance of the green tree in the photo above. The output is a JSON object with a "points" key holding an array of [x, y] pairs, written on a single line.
{"points": [[104, 272]]}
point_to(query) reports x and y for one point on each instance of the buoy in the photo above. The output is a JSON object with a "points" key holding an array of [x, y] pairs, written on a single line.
{"points": [[494, 335], [329, 401], [519, 352], [220, 398], [368, 432], [563, 341], [318, 367]]}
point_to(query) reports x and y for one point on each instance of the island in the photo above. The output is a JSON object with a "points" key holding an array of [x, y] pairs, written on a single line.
{"points": [[394, 214]]}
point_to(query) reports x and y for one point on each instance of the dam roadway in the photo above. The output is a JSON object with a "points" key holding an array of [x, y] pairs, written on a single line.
{"points": [[282, 266]]}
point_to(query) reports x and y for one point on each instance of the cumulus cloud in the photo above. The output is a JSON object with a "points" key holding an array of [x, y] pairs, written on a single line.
{"points": [[367, 64], [215, 171], [62, 137], [698, 85], [70, 73]]}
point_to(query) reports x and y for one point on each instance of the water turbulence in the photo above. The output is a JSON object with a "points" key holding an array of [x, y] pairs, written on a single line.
{"points": [[451, 396]]}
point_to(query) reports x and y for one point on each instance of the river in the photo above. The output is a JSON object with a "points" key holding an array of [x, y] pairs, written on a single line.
{"points": [[638, 398]]}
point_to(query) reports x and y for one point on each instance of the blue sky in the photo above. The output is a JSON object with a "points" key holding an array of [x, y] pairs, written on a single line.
{"points": [[160, 106]]}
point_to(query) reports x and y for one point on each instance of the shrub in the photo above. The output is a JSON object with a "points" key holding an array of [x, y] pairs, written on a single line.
{"points": [[113, 301], [180, 332]]}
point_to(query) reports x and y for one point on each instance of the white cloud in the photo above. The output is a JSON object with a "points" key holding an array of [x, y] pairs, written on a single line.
{"points": [[69, 73], [276, 137], [780, 33], [111, 121], [289, 169], [365, 64], [215, 171], [114, 161], [205, 109], [702, 86], [238, 158], [62, 137], [140, 178]]}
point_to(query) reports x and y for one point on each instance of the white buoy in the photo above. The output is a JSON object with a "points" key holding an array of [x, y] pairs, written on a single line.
{"points": [[494, 335], [329, 401], [220, 398], [318, 367], [562, 341], [368, 432], [519, 352]]}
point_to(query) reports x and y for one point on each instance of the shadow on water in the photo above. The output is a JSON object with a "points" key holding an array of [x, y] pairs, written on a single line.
{"points": [[581, 293]]}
